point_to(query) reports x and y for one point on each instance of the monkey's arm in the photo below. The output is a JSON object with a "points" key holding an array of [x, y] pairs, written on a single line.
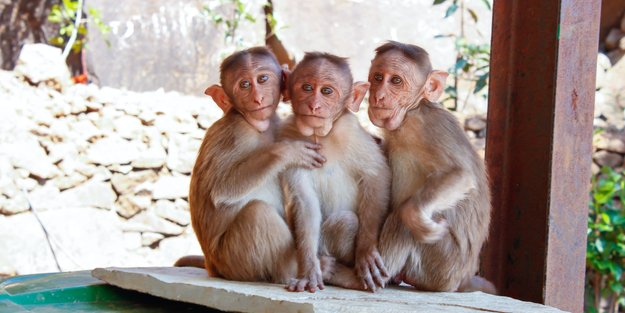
{"points": [[242, 176], [304, 214], [373, 205], [441, 192]]}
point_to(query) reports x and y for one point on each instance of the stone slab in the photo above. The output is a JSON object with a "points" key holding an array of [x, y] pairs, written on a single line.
{"points": [[193, 285]]}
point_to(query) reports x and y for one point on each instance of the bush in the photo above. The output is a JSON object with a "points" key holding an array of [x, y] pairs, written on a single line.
{"points": [[605, 255]]}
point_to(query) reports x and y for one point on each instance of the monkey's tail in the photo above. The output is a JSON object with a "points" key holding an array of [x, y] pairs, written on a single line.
{"points": [[477, 283], [190, 261]]}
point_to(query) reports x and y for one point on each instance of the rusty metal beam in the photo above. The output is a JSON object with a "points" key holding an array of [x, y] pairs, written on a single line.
{"points": [[538, 147]]}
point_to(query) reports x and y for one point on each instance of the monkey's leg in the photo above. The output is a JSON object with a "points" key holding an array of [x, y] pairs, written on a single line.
{"points": [[338, 236], [396, 244], [258, 246]]}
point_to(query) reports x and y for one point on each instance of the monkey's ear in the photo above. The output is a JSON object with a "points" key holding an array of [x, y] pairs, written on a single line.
{"points": [[219, 96], [285, 89], [360, 90], [435, 85]]}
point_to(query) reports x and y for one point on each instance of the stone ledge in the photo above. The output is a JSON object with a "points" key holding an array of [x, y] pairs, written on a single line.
{"points": [[193, 285]]}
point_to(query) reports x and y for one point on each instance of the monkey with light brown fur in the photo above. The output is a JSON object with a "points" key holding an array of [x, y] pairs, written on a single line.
{"points": [[235, 197], [336, 210], [440, 199]]}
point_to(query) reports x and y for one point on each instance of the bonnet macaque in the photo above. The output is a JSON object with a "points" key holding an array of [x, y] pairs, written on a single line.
{"points": [[440, 200], [235, 197], [336, 210]]}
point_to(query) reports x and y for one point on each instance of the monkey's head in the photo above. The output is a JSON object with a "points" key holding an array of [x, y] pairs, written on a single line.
{"points": [[321, 88], [251, 83], [401, 76]]}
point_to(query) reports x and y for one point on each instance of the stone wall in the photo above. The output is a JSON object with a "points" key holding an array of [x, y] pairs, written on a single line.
{"points": [[104, 171], [170, 44]]}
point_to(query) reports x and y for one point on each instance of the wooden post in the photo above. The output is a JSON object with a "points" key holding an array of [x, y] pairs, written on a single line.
{"points": [[539, 147]]}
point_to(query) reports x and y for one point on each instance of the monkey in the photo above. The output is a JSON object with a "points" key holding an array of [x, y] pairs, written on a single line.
{"points": [[235, 197], [440, 199], [336, 210]]}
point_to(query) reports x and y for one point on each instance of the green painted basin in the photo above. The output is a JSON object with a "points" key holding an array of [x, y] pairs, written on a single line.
{"points": [[79, 292]]}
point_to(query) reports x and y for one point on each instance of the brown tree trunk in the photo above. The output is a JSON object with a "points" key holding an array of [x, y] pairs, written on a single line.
{"points": [[21, 21], [273, 42]]}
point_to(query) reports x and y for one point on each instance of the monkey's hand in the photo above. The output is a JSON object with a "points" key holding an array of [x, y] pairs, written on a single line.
{"points": [[424, 228], [311, 280], [370, 268], [300, 154]]}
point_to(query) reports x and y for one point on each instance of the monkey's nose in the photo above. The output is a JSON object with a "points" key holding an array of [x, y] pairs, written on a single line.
{"points": [[258, 100]]}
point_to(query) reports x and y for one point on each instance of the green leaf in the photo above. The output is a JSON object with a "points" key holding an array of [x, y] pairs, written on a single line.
{"points": [[437, 2], [481, 83], [487, 4], [473, 15], [451, 10], [460, 63], [599, 245]]}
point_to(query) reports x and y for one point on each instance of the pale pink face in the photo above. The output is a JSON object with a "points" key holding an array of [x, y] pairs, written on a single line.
{"points": [[318, 96], [255, 90], [396, 87]]}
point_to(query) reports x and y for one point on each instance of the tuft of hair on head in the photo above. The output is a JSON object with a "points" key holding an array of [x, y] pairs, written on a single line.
{"points": [[412, 52], [341, 64], [239, 58]]}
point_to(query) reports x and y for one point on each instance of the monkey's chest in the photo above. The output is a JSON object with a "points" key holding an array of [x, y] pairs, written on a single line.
{"points": [[336, 188], [409, 175]]}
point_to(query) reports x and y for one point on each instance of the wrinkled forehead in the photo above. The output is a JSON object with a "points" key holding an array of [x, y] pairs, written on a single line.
{"points": [[252, 64], [322, 71], [394, 61]]}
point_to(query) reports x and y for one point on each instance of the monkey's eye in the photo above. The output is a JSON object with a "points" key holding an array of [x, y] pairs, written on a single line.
{"points": [[262, 78], [245, 84], [378, 77], [307, 87], [396, 80], [326, 90]]}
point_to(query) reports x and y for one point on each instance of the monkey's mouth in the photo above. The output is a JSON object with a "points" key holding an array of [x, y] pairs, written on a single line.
{"points": [[260, 109], [380, 108]]}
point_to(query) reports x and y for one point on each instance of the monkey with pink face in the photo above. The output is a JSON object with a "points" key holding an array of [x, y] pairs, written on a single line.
{"points": [[440, 199], [336, 210], [235, 197]]}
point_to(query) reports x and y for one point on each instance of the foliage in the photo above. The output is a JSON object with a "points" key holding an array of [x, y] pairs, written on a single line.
{"points": [[229, 15], [472, 60], [64, 14], [605, 256]]}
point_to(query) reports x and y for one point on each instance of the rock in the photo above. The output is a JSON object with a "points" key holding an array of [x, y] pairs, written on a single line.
{"points": [[153, 157], [611, 141], [192, 285], [129, 205], [90, 194], [148, 238], [132, 240], [594, 168], [605, 158], [613, 38], [615, 56], [182, 153], [70, 181], [125, 184], [169, 211], [182, 204], [113, 150], [475, 123], [171, 187], [24, 151], [41, 63], [124, 169], [48, 197], [87, 237], [128, 127], [147, 221], [85, 130], [14, 205]]}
